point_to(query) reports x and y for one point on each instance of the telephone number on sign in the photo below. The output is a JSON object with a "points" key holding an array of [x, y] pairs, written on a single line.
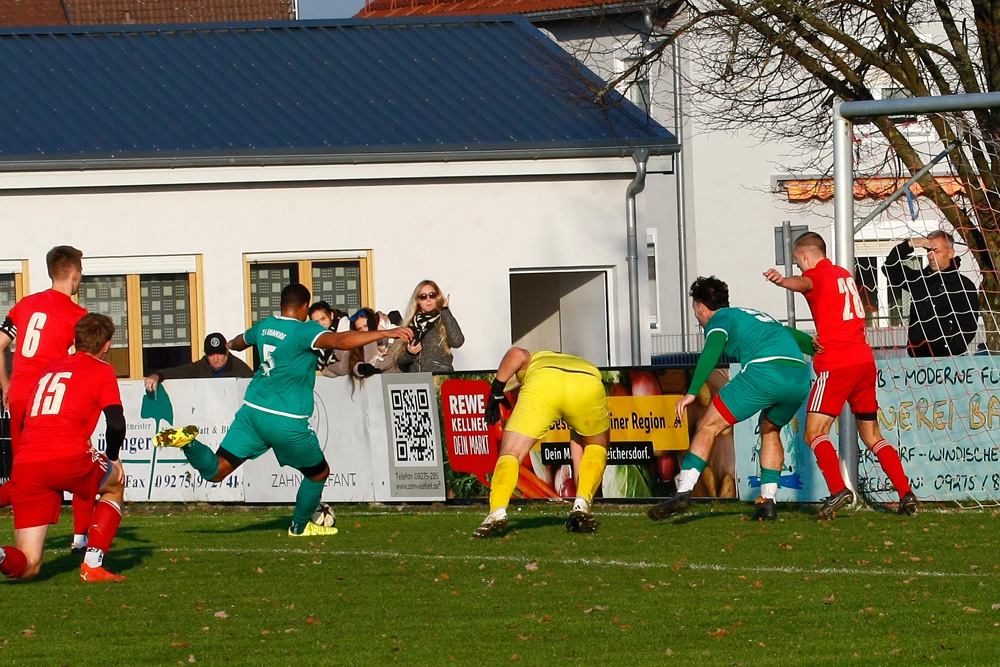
{"points": [[184, 481]]}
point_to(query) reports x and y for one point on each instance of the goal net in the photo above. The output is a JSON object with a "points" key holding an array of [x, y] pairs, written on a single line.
{"points": [[926, 268]]}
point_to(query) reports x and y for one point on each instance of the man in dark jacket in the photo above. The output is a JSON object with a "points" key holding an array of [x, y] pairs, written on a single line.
{"points": [[217, 363], [944, 306]]}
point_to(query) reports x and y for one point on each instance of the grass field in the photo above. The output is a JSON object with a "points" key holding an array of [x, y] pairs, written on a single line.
{"points": [[212, 584]]}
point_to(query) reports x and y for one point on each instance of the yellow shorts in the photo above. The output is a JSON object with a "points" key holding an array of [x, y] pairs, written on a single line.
{"points": [[560, 386]]}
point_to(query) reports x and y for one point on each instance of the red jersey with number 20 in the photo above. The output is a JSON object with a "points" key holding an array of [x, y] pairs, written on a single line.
{"points": [[65, 407], [839, 315], [44, 324]]}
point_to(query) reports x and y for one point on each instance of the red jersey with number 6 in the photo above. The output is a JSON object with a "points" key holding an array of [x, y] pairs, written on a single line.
{"points": [[44, 330], [839, 315], [65, 407]]}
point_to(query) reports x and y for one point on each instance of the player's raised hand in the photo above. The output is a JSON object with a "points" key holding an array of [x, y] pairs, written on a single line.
{"points": [[682, 405], [774, 276], [496, 399]]}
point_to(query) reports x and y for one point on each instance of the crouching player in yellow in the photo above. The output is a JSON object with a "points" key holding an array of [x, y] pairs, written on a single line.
{"points": [[553, 386]]}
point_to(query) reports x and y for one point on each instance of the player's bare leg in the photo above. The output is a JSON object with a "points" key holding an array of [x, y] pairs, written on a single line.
{"points": [[513, 448], [710, 426], [888, 458], [772, 459], [24, 560]]}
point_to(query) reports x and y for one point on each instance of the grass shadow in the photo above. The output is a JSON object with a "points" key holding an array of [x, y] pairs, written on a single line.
{"points": [[277, 523]]}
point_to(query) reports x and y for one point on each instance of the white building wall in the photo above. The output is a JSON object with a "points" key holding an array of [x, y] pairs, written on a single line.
{"points": [[467, 234]]}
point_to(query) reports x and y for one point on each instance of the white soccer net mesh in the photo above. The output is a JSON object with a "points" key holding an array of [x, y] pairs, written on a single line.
{"points": [[933, 331]]}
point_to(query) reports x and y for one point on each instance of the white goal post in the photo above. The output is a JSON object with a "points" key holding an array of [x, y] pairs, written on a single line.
{"points": [[844, 115]]}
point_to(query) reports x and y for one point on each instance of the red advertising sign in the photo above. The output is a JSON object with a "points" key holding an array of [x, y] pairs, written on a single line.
{"points": [[472, 443]]}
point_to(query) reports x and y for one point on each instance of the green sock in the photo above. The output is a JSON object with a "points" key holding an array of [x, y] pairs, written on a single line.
{"points": [[306, 501], [202, 458]]}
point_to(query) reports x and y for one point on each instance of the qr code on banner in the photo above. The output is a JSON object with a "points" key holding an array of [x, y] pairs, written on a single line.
{"points": [[413, 416]]}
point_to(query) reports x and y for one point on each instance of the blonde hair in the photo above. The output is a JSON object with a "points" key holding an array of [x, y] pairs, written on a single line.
{"points": [[414, 307]]}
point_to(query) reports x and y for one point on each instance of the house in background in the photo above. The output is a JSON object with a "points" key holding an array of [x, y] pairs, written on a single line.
{"points": [[201, 169], [37, 13], [733, 190]]}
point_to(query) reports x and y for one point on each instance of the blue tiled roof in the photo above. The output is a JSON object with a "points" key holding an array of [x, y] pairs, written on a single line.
{"points": [[362, 90]]}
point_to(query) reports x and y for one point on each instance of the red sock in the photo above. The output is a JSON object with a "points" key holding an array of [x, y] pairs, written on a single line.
{"points": [[83, 514], [14, 563], [107, 516], [828, 462], [888, 458], [5, 491]]}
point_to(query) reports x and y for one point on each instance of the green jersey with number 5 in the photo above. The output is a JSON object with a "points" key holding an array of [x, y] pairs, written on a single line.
{"points": [[283, 384]]}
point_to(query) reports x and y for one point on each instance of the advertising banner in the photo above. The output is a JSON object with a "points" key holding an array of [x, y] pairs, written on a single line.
{"points": [[352, 423], [642, 457], [944, 414]]}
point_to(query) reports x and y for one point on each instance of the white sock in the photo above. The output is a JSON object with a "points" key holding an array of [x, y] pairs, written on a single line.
{"points": [[498, 513], [769, 490], [79, 539], [687, 479], [93, 557], [581, 505]]}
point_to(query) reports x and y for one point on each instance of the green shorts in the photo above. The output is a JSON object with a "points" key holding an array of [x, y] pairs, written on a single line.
{"points": [[775, 390], [253, 432]]}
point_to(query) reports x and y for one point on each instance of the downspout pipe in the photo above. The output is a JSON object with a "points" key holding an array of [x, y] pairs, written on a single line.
{"points": [[640, 157]]}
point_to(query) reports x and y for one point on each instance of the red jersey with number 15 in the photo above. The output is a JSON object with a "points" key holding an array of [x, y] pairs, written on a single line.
{"points": [[44, 327], [65, 407], [839, 315]]}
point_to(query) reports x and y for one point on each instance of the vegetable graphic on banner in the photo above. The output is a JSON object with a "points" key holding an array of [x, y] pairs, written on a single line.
{"points": [[643, 435]]}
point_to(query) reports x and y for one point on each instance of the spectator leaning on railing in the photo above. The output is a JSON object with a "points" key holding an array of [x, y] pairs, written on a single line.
{"points": [[944, 306], [217, 363]]}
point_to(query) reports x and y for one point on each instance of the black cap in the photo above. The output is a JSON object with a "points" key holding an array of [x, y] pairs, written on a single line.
{"points": [[215, 343]]}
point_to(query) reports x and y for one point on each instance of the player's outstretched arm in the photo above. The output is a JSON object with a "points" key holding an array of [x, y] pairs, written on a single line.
{"points": [[237, 344], [348, 340], [793, 283]]}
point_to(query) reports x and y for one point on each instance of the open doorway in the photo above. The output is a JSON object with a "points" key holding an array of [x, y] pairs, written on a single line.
{"points": [[564, 311]]}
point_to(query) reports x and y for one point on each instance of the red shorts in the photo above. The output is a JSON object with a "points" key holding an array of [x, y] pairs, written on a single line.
{"points": [[17, 410], [854, 385], [39, 486]]}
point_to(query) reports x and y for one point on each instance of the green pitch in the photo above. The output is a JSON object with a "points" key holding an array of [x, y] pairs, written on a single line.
{"points": [[211, 584]]}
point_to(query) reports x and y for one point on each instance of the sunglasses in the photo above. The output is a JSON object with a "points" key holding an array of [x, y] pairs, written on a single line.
{"points": [[427, 295]]}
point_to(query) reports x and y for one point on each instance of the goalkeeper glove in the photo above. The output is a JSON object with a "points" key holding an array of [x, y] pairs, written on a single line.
{"points": [[493, 403]]}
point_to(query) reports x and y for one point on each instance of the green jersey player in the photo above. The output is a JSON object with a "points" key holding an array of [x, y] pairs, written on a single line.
{"points": [[278, 403], [773, 381]]}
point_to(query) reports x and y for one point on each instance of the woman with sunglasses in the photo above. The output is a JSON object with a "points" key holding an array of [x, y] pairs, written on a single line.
{"points": [[435, 331]]}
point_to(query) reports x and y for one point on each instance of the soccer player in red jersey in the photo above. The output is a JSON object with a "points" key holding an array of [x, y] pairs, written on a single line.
{"points": [[55, 454], [42, 324], [845, 371]]}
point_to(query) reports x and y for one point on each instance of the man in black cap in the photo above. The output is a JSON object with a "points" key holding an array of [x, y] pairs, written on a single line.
{"points": [[217, 363]]}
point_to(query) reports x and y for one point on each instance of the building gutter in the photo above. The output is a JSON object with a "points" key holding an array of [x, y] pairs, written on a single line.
{"points": [[637, 185]]}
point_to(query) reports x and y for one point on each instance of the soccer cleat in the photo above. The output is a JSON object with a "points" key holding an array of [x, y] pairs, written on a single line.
{"points": [[77, 549], [677, 504], [312, 530], [176, 437], [835, 502], [97, 574], [908, 504], [581, 519], [767, 510], [494, 523]]}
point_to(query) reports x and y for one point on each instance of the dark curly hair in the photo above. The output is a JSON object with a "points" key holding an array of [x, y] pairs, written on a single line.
{"points": [[711, 292]]}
